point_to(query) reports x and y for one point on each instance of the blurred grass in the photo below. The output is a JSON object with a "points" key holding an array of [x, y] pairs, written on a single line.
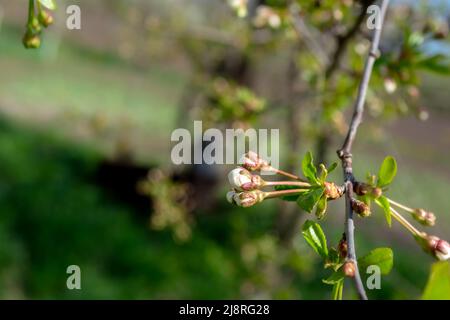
{"points": [[80, 86]]}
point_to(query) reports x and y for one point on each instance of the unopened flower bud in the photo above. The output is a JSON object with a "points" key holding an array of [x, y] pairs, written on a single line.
{"points": [[242, 180], [361, 188], [349, 269], [362, 209], [343, 248], [439, 248], [248, 198], [35, 25], [424, 217], [45, 19], [31, 41], [332, 191], [252, 162], [376, 192]]}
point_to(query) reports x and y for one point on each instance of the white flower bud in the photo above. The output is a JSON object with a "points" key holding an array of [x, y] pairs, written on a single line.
{"points": [[252, 162], [438, 247]]}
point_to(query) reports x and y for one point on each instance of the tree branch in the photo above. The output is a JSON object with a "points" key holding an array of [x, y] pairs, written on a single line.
{"points": [[345, 152], [343, 40]]}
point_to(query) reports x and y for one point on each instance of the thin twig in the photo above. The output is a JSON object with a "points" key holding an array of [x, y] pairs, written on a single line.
{"points": [[345, 152]]}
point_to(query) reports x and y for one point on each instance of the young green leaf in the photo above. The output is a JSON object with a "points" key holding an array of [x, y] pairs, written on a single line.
{"points": [[314, 236], [321, 207], [308, 200], [323, 173], [335, 277], [438, 285], [387, 172], [383, 202], [382, 257], [308, 168], [332, 167], [49, 4]]}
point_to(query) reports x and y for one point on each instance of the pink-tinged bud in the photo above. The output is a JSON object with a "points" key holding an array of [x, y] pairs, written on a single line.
{"points": [[424, 217], [242, 180], [438, 247], [349, 269], [252, 162], [249, 198], [343, 248]]}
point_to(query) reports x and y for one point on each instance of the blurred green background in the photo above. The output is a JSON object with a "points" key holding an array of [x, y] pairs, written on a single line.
{"points": [[82, 121]]}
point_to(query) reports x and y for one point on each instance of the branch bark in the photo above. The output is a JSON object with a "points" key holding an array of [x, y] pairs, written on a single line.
{"points": [[345, 152]]}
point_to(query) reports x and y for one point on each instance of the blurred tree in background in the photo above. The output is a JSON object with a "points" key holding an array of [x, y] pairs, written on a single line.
{"points": [[86, 176]]}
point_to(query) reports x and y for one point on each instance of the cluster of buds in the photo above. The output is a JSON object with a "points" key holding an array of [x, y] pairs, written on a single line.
{"points": [[246, 187], [424, 217], [37, 19], [438, 248]]}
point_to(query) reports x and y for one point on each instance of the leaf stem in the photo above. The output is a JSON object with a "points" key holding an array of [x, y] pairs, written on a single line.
{"points": [[397, 216], [408, 209], [284, 173]]}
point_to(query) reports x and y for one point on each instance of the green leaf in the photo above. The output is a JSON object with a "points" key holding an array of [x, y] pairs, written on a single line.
{"points": [[332, 167], [333, 260], [334, 278], [384, 204], [437, 63], [308, 200], [308, 168], [338, 288], [382, 257], [49, 4], [438, 285], [321, 207], [314, 236], [323, 173], [287, 198], [388, 170]]}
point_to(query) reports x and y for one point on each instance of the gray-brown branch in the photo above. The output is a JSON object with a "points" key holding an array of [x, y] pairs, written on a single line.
{"points": [[345, 152]]}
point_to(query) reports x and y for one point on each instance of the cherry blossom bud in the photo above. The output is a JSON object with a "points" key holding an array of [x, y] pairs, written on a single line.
{"points": [[361, 188], [390, 85], [242, 180], [248, 198], [343, 248], [332, 191], [438, 247], [45, 19], [362, 209], [31, 41], [252, 162], [424, 217], [376, 192], [349, 269]]}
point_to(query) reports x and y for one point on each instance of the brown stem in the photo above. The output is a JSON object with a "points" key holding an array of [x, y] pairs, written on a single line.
{"points": [[345, 152]]}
